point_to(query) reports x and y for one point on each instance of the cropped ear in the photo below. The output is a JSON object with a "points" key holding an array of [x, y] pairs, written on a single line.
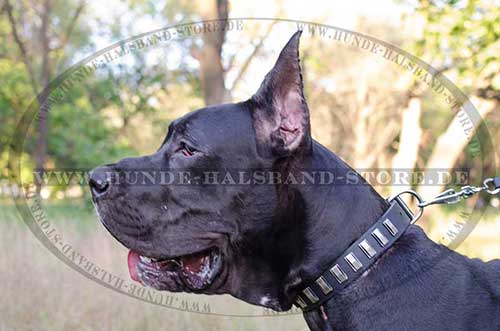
{"points": [[280, 113]]}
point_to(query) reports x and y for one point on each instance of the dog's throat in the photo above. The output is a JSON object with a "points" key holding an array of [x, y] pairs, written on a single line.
{"points": [[358, 258]]}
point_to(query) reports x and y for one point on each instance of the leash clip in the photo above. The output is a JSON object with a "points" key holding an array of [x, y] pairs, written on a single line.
{"points": [[491, 185], [450, 196]]}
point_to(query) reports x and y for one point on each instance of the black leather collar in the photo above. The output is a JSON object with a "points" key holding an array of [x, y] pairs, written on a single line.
{"points": [[358, 257]]}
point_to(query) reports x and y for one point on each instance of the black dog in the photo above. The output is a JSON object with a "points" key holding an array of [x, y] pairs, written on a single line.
{"points": [[265, 243]]}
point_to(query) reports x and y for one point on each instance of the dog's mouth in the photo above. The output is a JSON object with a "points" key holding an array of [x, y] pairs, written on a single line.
{"points": [[194, 272]]}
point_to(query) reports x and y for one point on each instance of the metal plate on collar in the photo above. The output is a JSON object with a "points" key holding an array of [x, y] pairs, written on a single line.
{"points": [[311, 295], [393, 230], [381, 239], [338, 273], [367, 249], [300, 302], [323, 284], [353, 261]]}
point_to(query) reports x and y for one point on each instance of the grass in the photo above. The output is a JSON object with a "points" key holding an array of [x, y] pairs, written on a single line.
{"points": [[39, 292]]}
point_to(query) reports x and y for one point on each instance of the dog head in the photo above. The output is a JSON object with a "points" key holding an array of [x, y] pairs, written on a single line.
{"points": [[186, 233]]}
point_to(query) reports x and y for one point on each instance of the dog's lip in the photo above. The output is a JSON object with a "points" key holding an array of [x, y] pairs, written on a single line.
{"points": [[197, 271], [132, 261]]}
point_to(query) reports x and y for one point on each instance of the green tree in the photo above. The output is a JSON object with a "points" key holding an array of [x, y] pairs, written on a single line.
{"points": [[462, 40]]}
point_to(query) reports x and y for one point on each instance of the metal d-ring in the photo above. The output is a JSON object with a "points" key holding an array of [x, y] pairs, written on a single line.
{"points": [[419, 199]]}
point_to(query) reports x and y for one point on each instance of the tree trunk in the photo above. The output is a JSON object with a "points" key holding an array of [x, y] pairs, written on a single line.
{"points": [[43, 124], [452, 142], [361, 138], [409, 142], [211, 70]]}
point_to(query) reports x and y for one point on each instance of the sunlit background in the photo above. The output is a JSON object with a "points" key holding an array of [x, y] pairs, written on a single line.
{"points": [[368, 110]]}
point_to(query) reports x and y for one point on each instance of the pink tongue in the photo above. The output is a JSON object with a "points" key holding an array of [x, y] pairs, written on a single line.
{"points": [[133, 260]]}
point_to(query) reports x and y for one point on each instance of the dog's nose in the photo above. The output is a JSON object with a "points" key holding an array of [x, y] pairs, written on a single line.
{"points": [[99, 181]]}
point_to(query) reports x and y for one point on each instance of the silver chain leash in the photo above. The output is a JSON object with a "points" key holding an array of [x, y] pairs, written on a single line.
{"points": [[450, 196]]}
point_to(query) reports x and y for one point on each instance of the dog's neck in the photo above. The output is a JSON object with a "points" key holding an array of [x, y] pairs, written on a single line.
{"points": [[337, 215], [315, 224]]}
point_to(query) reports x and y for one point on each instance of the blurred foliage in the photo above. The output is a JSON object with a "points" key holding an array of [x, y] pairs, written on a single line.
{"points": [[357, 99], [95, 122], [461, 39], [463, 36]]}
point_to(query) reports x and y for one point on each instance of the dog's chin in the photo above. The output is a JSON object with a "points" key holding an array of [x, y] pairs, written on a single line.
{"points": [[188, 273]]}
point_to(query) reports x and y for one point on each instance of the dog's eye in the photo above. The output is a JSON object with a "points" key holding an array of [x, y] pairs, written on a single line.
{"points": [[186, 150]]}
